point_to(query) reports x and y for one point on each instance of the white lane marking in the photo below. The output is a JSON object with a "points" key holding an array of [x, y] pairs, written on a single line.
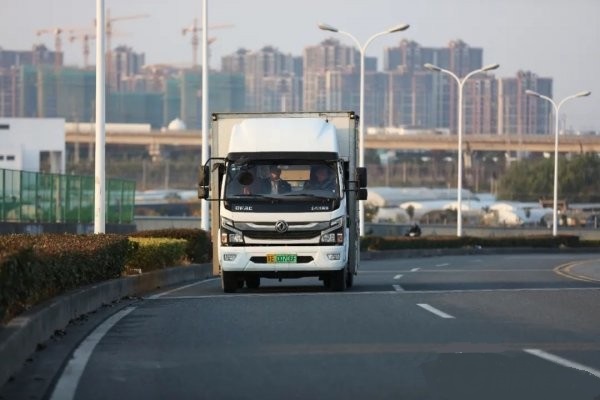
{"points": [[67, 383], [562, 361], [397, 277], [156, 296], [434, 310], [415, 269], [398, 288], [442, 265]]}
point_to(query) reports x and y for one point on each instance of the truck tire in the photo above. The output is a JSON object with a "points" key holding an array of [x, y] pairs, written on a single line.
{"points": [[229, 282], [349, 279], [253, 282], [338, 280]]}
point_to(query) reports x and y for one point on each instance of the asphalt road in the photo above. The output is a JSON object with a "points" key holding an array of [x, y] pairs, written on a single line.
{"points": [[456, 327]]}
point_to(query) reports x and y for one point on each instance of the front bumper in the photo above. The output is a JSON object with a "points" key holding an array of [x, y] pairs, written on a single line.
{"points": [[309, 258]]}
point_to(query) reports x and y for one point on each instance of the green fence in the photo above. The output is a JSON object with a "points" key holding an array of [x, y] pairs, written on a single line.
{"points": [[37, 197]]}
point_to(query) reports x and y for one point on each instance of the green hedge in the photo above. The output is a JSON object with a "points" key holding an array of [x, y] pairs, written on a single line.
{"points": [[156, 253], [199, 245], [449, 242], [34, 268]]}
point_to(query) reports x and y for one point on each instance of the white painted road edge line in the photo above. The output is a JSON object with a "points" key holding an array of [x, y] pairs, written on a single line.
{"points": [[562, 361], [67, 384], [156, 296], [435, 311]]}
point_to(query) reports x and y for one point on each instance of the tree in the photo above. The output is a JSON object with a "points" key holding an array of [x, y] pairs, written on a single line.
{"points": [[530, 180]]}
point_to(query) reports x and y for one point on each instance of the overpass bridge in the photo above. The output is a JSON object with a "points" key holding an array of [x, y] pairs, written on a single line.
{"points": [[480, 142]]}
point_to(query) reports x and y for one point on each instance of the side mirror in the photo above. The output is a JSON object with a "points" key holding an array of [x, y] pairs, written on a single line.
{"points": [[204, 176], [203, 192], [346, 171], [361, 173], [362, 194]]}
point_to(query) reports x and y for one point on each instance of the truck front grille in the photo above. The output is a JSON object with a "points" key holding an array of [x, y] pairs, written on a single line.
{"points": [[261, 235]]}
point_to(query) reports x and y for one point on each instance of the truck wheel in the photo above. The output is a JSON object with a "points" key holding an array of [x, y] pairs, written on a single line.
{"points": [[349, 279], [338, 280], [253, 282], [229, 282]]}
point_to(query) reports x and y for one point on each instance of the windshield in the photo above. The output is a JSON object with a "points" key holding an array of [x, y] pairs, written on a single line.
{"points": [[282, 180]]}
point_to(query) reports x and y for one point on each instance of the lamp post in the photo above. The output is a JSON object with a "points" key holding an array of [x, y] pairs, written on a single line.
{"points": [[556, 109], [361, 121], [204, 210], [461, 83], [100, 160]]}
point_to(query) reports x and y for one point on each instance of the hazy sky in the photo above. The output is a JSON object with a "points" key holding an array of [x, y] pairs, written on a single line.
{"points": [[551, 38]]}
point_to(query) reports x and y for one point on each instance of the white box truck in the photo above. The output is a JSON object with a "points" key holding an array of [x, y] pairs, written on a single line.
{"points": [[284, 191]]}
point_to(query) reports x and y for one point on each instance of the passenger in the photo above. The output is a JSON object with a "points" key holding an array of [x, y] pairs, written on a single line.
{"points": [[274, 184], [321, 178]]}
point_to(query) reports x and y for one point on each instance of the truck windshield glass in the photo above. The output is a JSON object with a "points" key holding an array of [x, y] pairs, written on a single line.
{"points": [[276, 179]]}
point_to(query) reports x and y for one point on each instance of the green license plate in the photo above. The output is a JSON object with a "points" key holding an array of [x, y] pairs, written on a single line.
{"points": [[281, 258]]}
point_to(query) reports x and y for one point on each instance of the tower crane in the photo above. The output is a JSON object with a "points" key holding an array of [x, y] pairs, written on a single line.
{"points": [[57, 32], [85, 38], [109, 33], [109, 25], [193, 30]]}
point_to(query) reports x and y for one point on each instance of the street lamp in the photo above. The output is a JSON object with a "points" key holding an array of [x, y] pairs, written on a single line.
{"points": [[361, 121], [461, 83], [204, 209], [556, 109]]}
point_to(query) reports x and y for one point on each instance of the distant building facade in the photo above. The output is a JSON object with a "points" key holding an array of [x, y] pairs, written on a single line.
{"points": [[33, 144], [326, 77]]}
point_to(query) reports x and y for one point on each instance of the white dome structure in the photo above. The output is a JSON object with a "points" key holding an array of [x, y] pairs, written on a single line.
{"points": [[176, 125]]}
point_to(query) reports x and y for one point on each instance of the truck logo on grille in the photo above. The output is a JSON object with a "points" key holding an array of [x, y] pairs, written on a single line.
{"points": [[281, 226]]}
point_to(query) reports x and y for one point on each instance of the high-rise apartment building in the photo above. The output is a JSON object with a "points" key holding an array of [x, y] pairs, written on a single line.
{"points": [[123, 63], [272, 79], [418, 98], [38, 55], [332, 81], [519, 113]]}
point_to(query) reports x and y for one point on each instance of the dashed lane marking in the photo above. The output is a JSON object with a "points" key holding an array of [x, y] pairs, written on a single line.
{"points": [[435, 311], [562, 361]]}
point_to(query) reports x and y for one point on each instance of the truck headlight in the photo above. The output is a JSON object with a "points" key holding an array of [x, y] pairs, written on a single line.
{"points": [[335, 233], [230, 235]]}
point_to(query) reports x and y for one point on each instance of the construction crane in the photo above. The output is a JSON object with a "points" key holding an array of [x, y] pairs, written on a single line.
{"points": [[109, 25], [57, 32], [109, 33], [85, 38], [193, 30]]}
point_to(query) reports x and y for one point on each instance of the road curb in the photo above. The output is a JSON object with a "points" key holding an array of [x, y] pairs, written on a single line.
{"points": [[20, 337]]}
